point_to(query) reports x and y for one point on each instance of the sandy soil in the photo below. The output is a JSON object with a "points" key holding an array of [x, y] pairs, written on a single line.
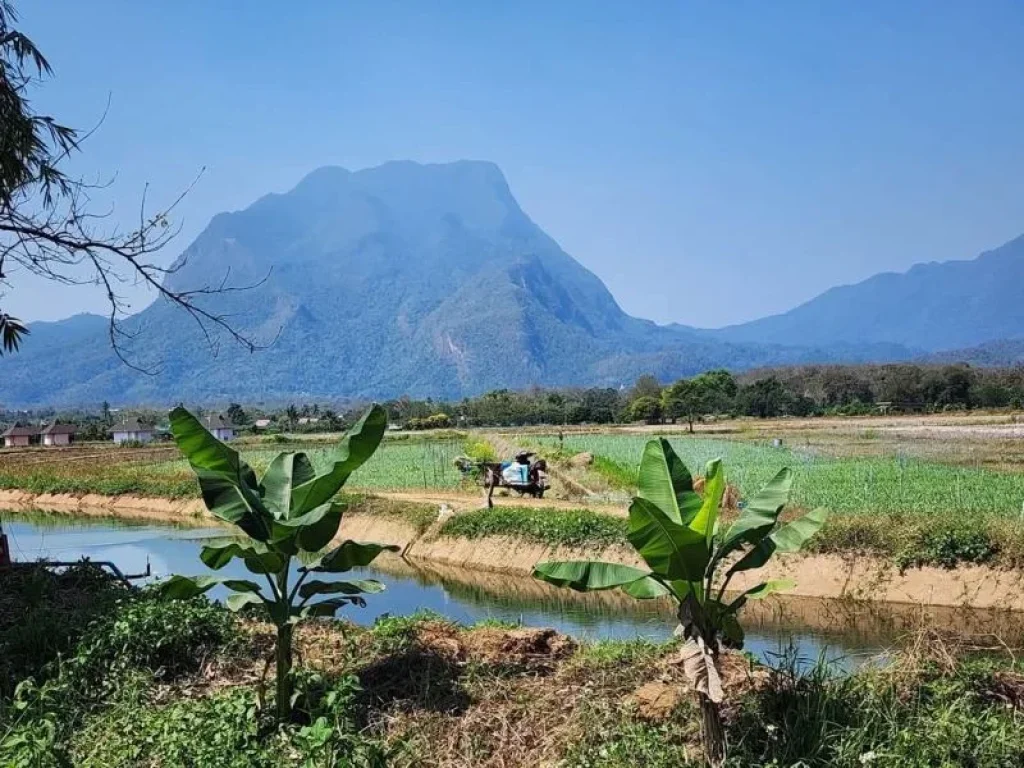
{"points": [[94, 505]]}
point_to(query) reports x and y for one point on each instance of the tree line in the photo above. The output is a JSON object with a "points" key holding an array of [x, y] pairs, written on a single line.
{"points": [[819, 390], [814, 390]]}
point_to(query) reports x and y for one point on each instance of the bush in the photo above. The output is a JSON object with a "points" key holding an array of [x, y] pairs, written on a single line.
{"points": [[887, 718], [947, 547], [480, 450], [167, 638], [226, 729], [43, 614]]}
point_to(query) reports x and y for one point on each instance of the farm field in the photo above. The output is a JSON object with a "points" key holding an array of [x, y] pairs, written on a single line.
{"points": [[159, 471], [925, 505], [399, 464], [891, 484], [847, 465]]}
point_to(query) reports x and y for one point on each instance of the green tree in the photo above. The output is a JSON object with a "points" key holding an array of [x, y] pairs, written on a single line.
{"points": [[765, 398], [717, 390], [236, 414], [646, 386], [684, 399], [288, 517], [689, 559], [646, 409]]}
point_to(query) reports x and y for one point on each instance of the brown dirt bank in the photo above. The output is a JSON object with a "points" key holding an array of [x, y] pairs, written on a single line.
{"points": [[870, 622], [95, 505], [848, 577], [820, 576]]}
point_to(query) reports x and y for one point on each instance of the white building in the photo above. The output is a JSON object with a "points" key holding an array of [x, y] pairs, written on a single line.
{"points": [[219, 427], [59, 434], [18, 436], [132, 431]]}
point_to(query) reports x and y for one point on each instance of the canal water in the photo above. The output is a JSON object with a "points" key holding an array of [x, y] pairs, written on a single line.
{"points": [[806, 630]]}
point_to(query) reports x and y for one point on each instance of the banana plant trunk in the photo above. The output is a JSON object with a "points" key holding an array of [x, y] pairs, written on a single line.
{"points": [[284, 672], [712, 732]]}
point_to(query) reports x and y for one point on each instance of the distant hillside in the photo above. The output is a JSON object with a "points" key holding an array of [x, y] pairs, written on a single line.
{"points": [[994, 354], [932, 307], [420, 279], [430, 280]]}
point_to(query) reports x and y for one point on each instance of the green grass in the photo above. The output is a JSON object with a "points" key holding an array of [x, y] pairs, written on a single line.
{"points": [[869, 485], [140, 681], [571, 528], [418, 516]]}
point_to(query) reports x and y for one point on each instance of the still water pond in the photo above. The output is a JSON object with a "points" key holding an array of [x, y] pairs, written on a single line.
{"points": [[807, 628]]}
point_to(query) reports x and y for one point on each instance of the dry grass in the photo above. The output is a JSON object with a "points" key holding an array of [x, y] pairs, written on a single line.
{"points": [[487, 697]]}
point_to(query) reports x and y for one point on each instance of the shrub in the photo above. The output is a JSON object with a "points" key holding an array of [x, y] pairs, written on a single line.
{"points": [[169, 638]]}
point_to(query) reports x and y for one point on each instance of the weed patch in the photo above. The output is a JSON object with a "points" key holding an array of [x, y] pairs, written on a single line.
{"points": [[557, 527]]}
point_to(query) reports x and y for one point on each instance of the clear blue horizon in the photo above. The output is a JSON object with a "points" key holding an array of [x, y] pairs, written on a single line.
{"points": [[712, 163]]}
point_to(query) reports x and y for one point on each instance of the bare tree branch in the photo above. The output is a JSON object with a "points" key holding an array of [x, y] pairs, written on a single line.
{"points": [[49, 228]]}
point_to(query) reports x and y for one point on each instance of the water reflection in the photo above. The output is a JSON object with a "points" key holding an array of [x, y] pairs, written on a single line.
{"points": [[846, 633]]}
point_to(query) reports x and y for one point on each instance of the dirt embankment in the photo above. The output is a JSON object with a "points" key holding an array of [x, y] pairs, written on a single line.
{"points": [[822, 576], [852, 577], [95, 505]]}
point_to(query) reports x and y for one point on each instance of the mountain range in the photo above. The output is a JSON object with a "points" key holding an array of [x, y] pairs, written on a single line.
{"points": [[430, 280]]}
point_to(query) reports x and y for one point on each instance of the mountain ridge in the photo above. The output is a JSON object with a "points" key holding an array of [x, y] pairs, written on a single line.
{"points": [[406, 278], [933, 306]]}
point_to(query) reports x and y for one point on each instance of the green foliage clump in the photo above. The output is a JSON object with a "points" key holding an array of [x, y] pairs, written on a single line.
{"points": [[43, 615], [480, 450], [166, 638], [948, 546], [886, 718], [226, 729], [571, 528]]}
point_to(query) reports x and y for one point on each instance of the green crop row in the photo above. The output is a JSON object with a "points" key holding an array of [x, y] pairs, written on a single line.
{"points": [[890, 485]]}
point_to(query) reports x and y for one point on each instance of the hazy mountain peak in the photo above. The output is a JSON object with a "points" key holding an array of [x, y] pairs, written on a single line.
{"points": [[931, 306], [429, 279]]}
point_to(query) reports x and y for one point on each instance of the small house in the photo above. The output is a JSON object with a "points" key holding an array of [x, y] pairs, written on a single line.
{"points": [[219, 427], [262, 423], [59, 434], [132, 431], [18, 436]]}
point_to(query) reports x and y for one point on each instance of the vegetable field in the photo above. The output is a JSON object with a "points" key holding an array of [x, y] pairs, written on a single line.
{"points": [[885, 485], [401, 464], [395, 465]]}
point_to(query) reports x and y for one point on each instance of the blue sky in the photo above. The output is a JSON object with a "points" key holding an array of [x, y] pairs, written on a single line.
{"points": [[711, 162]]}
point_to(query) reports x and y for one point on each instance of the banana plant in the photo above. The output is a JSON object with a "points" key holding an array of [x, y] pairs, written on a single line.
{"points": [[288, 517], [692, 560]]}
